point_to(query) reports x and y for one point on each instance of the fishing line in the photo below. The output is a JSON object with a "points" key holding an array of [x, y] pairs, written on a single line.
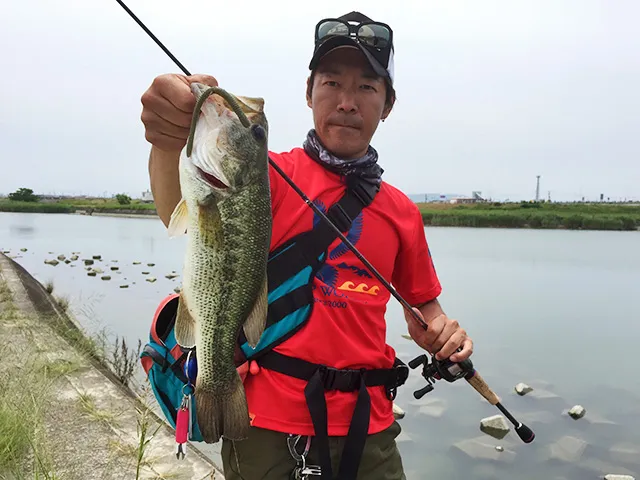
{"points": [[437, 369], [318, 212]]}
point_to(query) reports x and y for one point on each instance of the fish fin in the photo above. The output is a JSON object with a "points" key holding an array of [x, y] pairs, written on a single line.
{"points": [[179, 217], [256, 321], [185, 328], [222, 414]]}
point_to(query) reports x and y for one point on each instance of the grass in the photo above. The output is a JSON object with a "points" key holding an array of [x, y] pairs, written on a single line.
{"points": [[27, 388], [576, 216], [71, 205], [124, 361], [25, 385]]}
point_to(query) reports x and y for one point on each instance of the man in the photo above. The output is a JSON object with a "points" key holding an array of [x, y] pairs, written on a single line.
{"points": [[349, 90]]}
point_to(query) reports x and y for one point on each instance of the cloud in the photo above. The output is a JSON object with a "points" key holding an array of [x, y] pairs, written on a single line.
{"points": [[490, 94]]}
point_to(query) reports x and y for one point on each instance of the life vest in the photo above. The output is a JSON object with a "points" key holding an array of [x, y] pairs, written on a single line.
{"points": [[291, 269]]}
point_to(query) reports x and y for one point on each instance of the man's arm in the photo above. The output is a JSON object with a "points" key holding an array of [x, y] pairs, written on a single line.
{"points": [[165, 182], [443, 336]]}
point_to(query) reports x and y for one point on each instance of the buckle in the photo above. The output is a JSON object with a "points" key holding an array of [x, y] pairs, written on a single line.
{"points": [[398, 377], [402, 372], [342, 380]]}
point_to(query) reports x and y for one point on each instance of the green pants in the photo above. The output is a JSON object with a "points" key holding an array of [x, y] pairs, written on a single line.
{"points": [[265, 456]]}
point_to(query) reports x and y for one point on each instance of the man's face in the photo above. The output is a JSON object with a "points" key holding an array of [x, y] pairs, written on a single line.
{"points": [[348, 102]]}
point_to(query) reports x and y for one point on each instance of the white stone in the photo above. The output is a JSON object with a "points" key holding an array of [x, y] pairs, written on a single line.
{"points": [[495, 426], [523, 389], [577, 412]]}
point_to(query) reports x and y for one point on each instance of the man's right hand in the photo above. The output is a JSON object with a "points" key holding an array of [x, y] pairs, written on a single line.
{"points": [[168, 108]]}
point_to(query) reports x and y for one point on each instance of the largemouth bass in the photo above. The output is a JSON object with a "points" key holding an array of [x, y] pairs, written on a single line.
{"points": [[225, 212]]}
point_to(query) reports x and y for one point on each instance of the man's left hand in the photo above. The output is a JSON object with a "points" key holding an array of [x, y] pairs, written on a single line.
{"points": [[443, 337]]}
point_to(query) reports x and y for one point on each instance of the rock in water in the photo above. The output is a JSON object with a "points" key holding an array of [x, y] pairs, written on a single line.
{"points": [[124, 286], [74, 258], [577, 412], [53, 262], [499, 448], [97, 257], [613, 476], [62, 258], [106, 277], [171, 276], [145, 273], [137, 262], [92, 273], [482, 449], [23, 249], [88, 261], [151, 279], [151, 264], [567, 449], [398, 413], [67, 261], [495, 426], [114, 268], [523, 389]]}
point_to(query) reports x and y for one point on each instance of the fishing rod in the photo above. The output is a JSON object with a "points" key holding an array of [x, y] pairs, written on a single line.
{"points": [[437, 369]]}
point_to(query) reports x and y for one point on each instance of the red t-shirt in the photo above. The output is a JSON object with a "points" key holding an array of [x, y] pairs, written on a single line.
{"points": [[347, 327]]}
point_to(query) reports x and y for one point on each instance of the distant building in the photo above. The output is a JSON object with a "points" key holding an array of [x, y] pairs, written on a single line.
{"points": [[147, 197], [474, 198], [446, 198]]}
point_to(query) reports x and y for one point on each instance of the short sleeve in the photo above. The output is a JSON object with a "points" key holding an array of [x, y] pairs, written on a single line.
{"points": [[276, 181], [414, 275]]}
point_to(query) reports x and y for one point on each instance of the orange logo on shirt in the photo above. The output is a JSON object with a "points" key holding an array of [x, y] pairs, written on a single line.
{"points": [[349, 286]]}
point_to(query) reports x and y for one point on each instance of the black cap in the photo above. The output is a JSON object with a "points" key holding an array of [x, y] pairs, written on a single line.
{"points": [[323, 47]]}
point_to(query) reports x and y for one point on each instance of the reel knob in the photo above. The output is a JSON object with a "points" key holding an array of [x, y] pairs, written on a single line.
{"points": [[418, 394]]}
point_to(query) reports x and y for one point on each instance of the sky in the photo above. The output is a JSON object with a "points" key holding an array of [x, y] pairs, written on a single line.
{"points": [[490, 93]]}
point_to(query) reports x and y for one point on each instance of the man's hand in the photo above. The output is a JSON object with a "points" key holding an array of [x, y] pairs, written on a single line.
{"points": [[443, 336], [168, 108]]}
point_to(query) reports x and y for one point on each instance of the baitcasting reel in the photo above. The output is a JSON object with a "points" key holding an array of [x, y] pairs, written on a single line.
{"points": [[440, 370]]}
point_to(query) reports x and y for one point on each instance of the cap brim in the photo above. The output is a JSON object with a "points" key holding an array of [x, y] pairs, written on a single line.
{"points": [[342, 41]]}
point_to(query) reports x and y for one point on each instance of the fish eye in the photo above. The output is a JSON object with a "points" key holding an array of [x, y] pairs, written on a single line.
{"points": [[258, 132]]}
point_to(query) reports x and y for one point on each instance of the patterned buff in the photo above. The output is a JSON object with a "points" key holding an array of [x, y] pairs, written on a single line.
{"points": [[365, 167]]}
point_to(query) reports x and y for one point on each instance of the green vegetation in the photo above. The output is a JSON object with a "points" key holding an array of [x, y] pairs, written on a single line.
{"points": [[574, 216], [23, 195], [27, 400], [71, 205], [123, 199]]}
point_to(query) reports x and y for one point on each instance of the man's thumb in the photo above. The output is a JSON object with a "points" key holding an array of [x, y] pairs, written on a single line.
{"points": [[201, 78]]}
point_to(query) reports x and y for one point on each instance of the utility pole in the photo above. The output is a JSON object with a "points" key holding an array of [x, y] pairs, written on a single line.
{"points": [[537, 188]]}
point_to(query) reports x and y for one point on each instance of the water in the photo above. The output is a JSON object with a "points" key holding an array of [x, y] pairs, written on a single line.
{"points": [[555, 309]]}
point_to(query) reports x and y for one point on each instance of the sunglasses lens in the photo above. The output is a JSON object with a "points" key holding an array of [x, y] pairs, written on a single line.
{"points": [[332, 27], [374, 35]]}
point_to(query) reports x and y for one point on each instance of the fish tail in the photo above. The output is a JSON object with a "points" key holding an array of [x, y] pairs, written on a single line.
{"points": [[223, 414]]}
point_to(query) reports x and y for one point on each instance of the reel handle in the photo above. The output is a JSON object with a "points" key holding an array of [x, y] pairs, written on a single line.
{"points": [[416, 362], [418, 394]]}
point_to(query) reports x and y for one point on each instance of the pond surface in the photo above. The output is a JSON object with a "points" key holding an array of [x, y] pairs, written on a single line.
{"points": [[558, 310]]}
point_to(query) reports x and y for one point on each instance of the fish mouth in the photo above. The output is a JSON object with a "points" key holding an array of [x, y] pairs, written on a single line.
{"points": [[212, 180]]}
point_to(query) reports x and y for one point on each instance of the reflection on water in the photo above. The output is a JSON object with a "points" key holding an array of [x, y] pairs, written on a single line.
{"points": [[555, 309]]}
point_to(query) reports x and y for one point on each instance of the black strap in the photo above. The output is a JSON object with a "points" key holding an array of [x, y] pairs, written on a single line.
{"points": [[321, 378], [289, 303], [310, 245]]}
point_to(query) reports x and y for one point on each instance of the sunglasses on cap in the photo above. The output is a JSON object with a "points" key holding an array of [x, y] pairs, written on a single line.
{"points": [[376, 35]]}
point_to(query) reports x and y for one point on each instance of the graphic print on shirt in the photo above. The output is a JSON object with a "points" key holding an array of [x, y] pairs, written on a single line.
{"points": [[336, 283]]}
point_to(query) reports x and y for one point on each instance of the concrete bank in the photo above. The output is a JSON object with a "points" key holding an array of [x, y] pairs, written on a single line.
{"points": [[92, 427]]}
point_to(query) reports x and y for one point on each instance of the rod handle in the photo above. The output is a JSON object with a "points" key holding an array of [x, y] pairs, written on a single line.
{"points": [[477, 382]]}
